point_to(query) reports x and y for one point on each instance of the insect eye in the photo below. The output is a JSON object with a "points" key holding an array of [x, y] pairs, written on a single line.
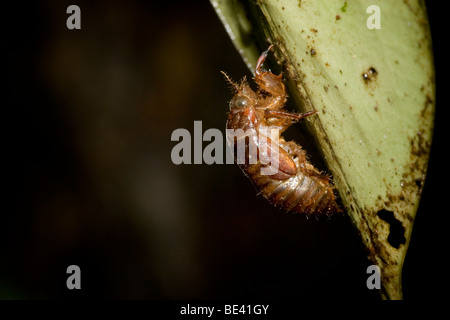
{"points": [[239, 101]]}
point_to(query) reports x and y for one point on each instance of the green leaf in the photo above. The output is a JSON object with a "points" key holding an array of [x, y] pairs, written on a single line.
{"points": [[375, 93]]}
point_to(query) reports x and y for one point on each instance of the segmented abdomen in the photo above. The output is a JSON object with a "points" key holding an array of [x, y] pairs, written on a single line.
{"points": [[301, 193], [305, 192]]}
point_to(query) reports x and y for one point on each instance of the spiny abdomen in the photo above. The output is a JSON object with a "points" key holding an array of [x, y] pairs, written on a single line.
{"points": [[302, 193]]}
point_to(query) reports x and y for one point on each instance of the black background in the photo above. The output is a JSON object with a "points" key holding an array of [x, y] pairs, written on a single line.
{"points": [[89, 180]]}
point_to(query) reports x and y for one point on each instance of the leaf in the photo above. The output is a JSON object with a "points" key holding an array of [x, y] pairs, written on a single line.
{"points": [[375, 93]]}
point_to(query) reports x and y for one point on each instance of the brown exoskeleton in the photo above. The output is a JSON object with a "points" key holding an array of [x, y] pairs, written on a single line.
{"points": [[296, 186]]}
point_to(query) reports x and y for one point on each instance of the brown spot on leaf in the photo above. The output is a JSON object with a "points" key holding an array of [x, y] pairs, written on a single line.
{"points": [[369, 75]]}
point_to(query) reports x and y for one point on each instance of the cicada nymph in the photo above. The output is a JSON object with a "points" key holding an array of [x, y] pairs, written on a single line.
{"points": [[296, 185]]}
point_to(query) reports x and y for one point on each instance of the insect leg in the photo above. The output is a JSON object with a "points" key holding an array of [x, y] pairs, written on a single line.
{"points": [[292, 116], [269, 82], [261, 60]]}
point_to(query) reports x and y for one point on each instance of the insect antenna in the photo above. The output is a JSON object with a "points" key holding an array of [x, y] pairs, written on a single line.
{"points": [[233, 84]]}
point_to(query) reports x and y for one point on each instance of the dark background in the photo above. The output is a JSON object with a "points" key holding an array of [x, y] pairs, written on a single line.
{"points": [[87, 125]]}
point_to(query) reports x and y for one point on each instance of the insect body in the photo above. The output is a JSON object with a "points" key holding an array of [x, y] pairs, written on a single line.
{"points": [[296, 186]]}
